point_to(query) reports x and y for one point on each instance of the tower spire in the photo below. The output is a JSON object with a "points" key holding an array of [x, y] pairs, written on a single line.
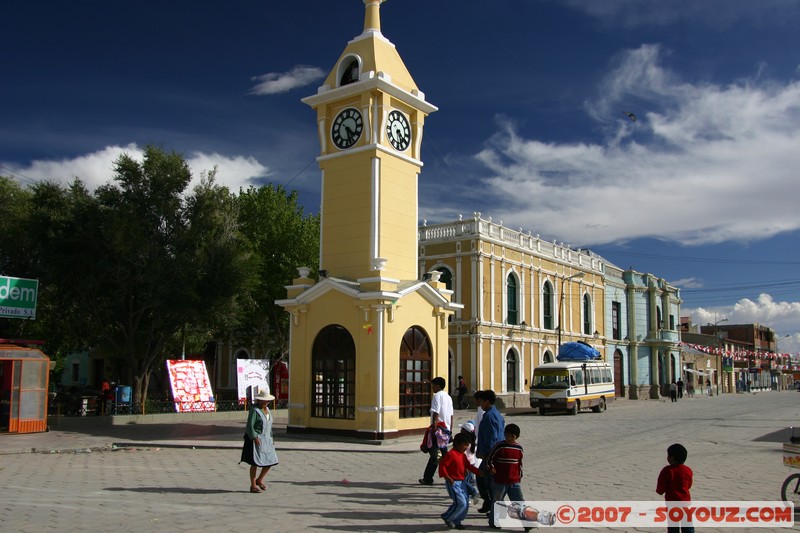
{"points": [[372, 18]]}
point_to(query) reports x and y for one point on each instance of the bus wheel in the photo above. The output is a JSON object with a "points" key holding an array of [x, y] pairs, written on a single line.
{"points": [[542, 411], [601, 406], [574, 409]]}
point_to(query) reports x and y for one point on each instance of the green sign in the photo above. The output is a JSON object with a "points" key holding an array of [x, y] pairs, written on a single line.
{"points": [[18, 297]]}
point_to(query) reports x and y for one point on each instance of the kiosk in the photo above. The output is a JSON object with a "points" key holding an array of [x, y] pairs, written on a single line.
{"points": [[24, 378]]}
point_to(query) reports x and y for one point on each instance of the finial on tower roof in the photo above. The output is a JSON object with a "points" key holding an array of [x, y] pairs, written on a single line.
{"points": [[372, 18]]}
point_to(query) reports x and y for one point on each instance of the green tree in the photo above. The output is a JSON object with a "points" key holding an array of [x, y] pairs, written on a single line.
{"points": [[282, 238], [142, 258], [15, 247]]}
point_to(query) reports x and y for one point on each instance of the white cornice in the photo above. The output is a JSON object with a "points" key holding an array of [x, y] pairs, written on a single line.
{"points": [[369, 82], [351, 289]]}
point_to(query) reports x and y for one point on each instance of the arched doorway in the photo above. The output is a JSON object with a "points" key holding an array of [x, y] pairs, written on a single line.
{"points": [[333, 374], [415, 373], [511, 371], [619, 386]]}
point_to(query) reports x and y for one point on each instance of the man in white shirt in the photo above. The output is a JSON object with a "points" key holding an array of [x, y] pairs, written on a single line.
{"points": [[441, 411]]}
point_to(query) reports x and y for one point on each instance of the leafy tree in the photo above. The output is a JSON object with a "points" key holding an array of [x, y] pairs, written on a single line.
{"points": [[140, 259], [281, 237], [15, 247], [32, 223]]}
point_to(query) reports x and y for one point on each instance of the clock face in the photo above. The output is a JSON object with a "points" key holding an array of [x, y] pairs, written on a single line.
{"points": [[347, 128], [398, 131]]}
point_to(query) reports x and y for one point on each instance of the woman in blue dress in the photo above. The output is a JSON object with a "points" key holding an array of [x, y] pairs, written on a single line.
{"points": [[259, 448]]}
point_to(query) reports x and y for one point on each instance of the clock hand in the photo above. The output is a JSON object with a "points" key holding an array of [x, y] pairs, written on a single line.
{"points": [[350, 133]]}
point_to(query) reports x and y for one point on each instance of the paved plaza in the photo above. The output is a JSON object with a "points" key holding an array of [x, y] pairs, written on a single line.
{"points": [[185, 477]]}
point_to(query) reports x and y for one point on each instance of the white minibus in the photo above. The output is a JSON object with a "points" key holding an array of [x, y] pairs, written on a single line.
{"points": [[572, 385]]}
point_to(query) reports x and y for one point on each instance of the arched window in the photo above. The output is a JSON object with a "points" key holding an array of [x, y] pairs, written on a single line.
{"points": [[511, 371], [547, 357], [587, 314], [659, 322], [547, 306], [349, 71], [333, 363], [511, 300], [415, 373], [446, 277]]}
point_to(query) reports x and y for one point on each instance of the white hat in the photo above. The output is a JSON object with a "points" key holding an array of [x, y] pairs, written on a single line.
{"points": [[469, 425], [263, 396]]}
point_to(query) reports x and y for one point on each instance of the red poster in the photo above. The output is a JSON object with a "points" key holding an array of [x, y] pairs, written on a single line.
{"points": [[191, 388]]}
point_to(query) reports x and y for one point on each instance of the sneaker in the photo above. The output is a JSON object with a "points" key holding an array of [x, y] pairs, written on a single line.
{"points": [[450, 525], [423, 482], [485, 508], [461, 526]]}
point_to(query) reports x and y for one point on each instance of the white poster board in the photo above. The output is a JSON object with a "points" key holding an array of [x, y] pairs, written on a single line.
{"points": [[252, 373]]}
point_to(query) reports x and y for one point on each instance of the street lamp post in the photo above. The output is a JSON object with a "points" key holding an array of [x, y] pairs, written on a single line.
{"points": [[561, 303]]}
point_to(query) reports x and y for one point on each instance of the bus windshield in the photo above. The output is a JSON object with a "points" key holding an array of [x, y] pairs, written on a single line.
{"points": [[550, 378]]}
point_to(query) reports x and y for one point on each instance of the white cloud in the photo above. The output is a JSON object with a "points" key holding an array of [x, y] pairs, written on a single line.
{"points": [[281, 82], [688, 283], [783, 317], [702, 164], [97, 168]]}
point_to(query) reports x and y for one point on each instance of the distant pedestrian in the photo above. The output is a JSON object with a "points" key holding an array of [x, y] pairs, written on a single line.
{"points": [[505, 466], [680, 388], [462, 390], [673, 391], [441, 414], [690, 388], [490, 432], [708, 387], [453, 468], [259, 449], [675, 482]]}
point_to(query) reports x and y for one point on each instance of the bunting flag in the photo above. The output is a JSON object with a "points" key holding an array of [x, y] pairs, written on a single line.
{"points": [[784, 361]]}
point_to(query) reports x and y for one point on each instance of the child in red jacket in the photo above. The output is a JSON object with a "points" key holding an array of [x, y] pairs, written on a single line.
{"points": [[453, 468], [505, 464], [674, 482]]}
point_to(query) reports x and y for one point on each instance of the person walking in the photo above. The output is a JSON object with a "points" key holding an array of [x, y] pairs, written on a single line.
{"points": [[675, 482], [490, 432], [462, 390], [258, 449], [441, 413], [505, 466], [673, 391], [680, 388], [453, 468]]}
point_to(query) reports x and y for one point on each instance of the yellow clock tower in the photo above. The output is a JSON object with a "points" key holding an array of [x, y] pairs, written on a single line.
{"points": [[369, 336]]}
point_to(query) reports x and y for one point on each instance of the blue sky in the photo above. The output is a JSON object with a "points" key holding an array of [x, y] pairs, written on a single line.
{"points": [[701, 189]]}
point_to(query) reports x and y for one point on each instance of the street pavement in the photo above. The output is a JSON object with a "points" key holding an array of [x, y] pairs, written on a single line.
{"points": [[186, 477]]}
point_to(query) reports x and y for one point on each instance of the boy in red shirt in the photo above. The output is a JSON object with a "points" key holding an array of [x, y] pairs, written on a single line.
{"points": [[674, 482], [453, 468], [505, 464]]}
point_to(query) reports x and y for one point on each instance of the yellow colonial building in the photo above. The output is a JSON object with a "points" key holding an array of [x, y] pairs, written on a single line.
{"points": [[368, 337], [522, 295]]}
